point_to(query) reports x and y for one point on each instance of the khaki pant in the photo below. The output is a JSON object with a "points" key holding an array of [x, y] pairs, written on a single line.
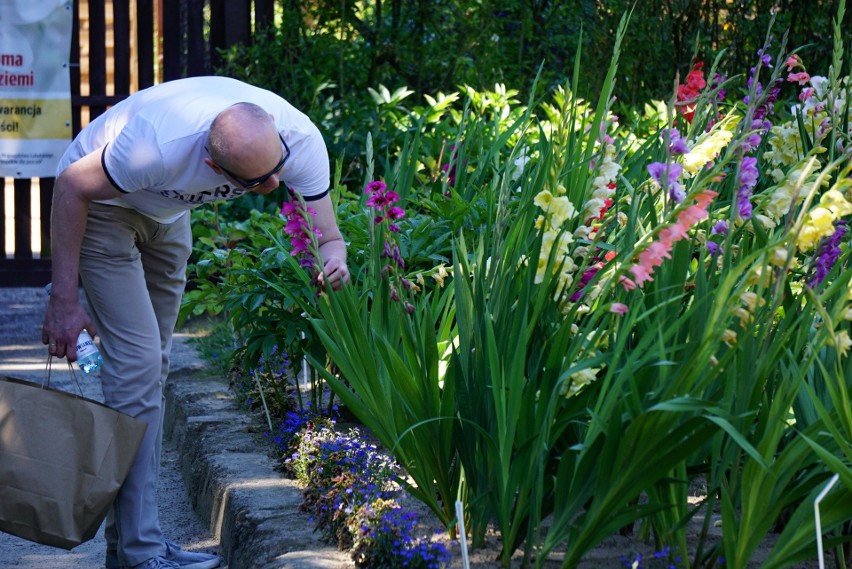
{"points": [[133, 271]]}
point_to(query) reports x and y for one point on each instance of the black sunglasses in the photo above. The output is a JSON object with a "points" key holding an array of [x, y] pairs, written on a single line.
{"points": [[251, 184]]}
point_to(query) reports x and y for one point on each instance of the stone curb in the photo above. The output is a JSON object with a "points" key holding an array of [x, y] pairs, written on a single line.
{"points": [[232, 483]]}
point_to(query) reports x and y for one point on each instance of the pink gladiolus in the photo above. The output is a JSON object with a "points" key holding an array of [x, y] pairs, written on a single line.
{"points": [[294, 227], [691, 215], [672, 233], [705, 198], [793, 61], [299, 246], [381, 200], [653, 255], [618, 308], [801, 78], [375, 187], [299, 228], [377, 201], [641, 273], [395, 213]]}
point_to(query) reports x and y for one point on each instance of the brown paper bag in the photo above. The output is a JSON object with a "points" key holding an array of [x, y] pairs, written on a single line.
{"points": [[62, 461]]}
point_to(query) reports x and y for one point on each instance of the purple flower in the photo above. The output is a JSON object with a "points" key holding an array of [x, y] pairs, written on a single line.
{"points": [[300, 245], [378, 201], [375, 187], [760, 111], [751, 142], [747, 178], [299, 228], [677, 143], [714, 248], [720, 228], [827, 253], [666, 175], [395, 213]]}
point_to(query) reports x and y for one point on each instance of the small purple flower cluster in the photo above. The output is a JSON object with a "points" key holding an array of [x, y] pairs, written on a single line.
{"points": [[386, 540], [664, 559], [294, 424], [827, 253], [278, 363], [270, 374], [341, 472], [349, 495]]}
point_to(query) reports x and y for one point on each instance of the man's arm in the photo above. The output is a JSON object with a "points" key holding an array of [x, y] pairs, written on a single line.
{"points": [[331, 244], [79, 184]]}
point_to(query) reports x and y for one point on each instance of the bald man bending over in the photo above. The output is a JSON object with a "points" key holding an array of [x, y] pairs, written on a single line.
{"points": [[121, 223]]}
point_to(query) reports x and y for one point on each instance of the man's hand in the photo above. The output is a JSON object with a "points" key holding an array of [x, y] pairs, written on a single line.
{"points": [[334, 273], [331, 246], [76, 187], [63, 321]]}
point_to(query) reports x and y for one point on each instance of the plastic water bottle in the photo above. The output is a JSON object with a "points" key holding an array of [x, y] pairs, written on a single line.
{"points": [[89, 357]]}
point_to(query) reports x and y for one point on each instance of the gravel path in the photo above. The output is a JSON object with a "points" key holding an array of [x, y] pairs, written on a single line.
{"points": [[23, 355]]}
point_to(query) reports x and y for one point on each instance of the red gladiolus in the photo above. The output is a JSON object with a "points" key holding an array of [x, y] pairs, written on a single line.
{"points": [[690, 90]]}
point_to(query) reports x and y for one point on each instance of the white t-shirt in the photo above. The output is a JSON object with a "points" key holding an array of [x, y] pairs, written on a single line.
{"points": [[155, 140]]}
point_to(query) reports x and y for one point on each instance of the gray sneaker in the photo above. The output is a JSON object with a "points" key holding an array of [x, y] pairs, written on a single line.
{"points": [[175, 557], [157, 563], [190, 559]]}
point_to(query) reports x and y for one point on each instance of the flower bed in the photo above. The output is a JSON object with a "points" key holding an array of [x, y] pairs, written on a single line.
{"points": [[564, 323]]}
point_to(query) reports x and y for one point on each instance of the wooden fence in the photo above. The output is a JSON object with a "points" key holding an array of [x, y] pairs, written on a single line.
{"points": [[117, 48]]}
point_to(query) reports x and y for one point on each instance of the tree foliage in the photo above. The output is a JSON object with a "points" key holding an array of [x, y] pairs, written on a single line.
{"points": [[341, 47]]}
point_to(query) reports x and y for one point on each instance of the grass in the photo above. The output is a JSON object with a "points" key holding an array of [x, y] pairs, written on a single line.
{"points": [[213, 339]]}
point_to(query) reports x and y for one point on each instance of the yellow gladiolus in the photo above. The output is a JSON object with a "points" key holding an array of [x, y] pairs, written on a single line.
{"points": [[706, 150]]}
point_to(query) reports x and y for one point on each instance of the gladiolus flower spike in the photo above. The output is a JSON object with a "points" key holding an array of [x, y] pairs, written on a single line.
{"points": [[660, 249]]}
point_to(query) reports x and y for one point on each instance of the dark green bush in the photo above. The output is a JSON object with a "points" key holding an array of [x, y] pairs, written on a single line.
{"points": [[328, 52]]}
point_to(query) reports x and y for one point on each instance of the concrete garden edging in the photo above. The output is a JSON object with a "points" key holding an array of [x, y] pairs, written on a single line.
{"points": [[232, 482]]}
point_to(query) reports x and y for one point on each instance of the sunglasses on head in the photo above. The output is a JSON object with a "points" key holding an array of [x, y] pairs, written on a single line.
{"points": [[251, 184]]}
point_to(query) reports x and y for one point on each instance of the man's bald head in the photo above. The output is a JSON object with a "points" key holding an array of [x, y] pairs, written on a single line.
{"points": [[244, 139]]}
